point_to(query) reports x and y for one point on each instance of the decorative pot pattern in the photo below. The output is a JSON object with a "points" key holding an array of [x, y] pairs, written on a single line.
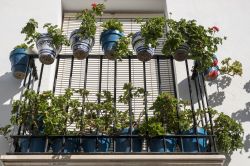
{"points": [[108, 40], [46, 49], [181, 53], [81, 46], [19, 63], [144, 53]]}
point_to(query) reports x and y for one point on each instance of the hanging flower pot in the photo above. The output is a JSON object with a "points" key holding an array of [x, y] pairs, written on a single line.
{"points": [[211, 73], [157, 144], [144, 53], [181, 53], [19, 62], [96, 145], [108, 40], [46, 49], [80, 46]]}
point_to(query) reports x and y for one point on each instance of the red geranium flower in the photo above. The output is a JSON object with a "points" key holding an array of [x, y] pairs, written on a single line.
{"points": [[215, 63], [94, 5], [215, 29]]}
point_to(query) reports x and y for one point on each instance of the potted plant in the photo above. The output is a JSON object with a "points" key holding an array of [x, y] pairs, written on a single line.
{"points": [[19, 61], [229, 133], [145, 41], [122, 121], [186, 39], [94, 119], [56, 119], [82, 39], [228, 68], [114, 43], [187, 127], [48, 44], [163, 122], [25, 114]]}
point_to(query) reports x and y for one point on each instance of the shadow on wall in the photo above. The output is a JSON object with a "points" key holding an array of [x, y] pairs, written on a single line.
{"points": [[221, 82], [9, 87], [247, 87], [217, 98], [183, 89], [242, 115], [247, 143]]}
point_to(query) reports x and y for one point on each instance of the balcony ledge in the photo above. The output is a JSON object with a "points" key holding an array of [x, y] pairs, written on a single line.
{"points": [[110, 159]]}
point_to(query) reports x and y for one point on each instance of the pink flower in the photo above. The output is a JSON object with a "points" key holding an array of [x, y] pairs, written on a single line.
{"points": [[94, 5], [215, 29]]}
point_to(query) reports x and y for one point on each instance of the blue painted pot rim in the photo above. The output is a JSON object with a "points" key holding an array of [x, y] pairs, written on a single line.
{"points": [[18, 51], [110, 31]]}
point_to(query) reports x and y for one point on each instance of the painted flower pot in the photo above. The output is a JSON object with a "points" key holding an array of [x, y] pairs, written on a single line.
{"points": [[211, 73], [144, 53], [123, 144], [181, 53], [108, 40], [190, 144], [96, 145], [46, 49], [80, 46], [157, 144], [19, 63], [33, 144], [71, 145]]}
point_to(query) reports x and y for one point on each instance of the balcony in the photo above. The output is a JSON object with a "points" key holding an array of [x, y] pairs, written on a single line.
{"points": [[203, 146]]}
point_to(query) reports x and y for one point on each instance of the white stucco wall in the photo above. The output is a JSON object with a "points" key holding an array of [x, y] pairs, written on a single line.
{"points": [[13, 16], [233, 98], [229, 15]]}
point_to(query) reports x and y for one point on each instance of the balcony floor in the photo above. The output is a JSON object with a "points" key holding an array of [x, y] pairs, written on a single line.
{"points": [[114, 160]]}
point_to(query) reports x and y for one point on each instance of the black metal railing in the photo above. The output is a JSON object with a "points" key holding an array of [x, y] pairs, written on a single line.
{"points": [[199, 92]]}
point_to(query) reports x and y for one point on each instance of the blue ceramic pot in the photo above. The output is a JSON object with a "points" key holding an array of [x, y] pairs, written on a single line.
{"points": [[144, 53], [46, 49], [81, 46], [36, 144], [123, 144], [157, 144], [108, 40], [96, 145], [190, 144], [71, 145], [19, 63]]}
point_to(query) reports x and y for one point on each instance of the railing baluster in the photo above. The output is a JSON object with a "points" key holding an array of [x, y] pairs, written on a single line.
{"points": [[130, 106], [56, 73], [145, 101], [192, 105]]}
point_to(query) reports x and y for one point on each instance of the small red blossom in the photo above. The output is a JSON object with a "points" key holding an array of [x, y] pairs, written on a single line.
{"points": [[213, 74], [215, 29], [94, 5]]}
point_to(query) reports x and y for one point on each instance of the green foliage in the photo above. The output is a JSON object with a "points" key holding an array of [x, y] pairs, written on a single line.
{"points": [[165, 111], [30, 31], [88, 17], [201, 41], [54, 32], [112, 24], [152, 30], [5, 130], [154, 127], [229, 134], [121, 49], [43, 114], [231, 69], [23, 45]]}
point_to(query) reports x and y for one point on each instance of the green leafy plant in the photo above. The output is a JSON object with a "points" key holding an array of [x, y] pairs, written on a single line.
{"points": [[201, 41], [152, 30], [229, 134], [121, 49], [112, 24], [232, 69], [54, 32], [23, 45], [88, 18]]}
